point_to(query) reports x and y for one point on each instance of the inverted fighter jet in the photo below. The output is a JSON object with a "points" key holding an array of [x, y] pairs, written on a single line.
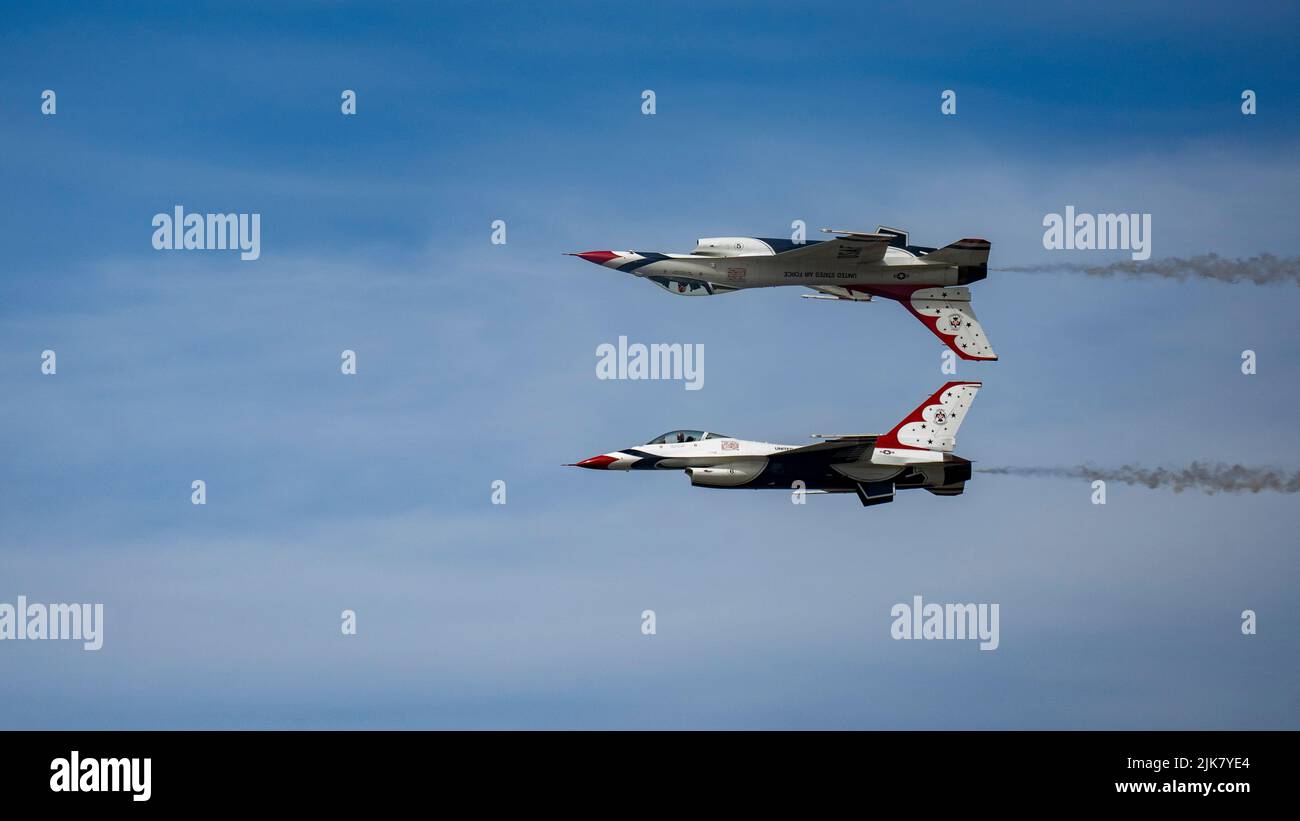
{"points": [[854, 266], [916, 453]]}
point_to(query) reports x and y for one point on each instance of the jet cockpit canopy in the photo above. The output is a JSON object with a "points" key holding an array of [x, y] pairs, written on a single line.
{"points": [[676, 436]]}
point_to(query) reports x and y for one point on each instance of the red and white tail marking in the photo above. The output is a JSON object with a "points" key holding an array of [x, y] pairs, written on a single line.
{"points": [[948, 313], [933, 425]]}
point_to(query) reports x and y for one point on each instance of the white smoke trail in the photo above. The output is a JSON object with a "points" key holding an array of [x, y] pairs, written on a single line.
{"points": [[1264, 269], [1209, 478]]}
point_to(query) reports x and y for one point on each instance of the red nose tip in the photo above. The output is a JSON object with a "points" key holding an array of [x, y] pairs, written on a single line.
{"points": [[601, 462], [598, 257]]}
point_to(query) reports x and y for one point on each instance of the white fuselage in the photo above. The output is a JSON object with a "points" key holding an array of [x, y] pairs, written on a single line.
{"points": [[899, 267], [857, 267], [915, 453], [721, 461]]}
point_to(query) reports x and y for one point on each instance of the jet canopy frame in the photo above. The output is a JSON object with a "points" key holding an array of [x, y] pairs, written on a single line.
{"points": [[679, 436]]}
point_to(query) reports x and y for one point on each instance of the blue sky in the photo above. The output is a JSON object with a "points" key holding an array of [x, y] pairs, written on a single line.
{"points": [[477, 362]]}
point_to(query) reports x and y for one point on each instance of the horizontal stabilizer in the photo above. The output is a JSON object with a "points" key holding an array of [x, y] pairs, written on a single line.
{"points": [[875, 493], [955, 489]]}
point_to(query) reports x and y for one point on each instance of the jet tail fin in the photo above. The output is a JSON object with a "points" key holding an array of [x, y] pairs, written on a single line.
{"points": [[947, 312], [933, 425]]}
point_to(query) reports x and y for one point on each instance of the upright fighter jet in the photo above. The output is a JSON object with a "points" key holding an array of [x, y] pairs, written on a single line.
{"points": [[928, 282], [916, 453]]}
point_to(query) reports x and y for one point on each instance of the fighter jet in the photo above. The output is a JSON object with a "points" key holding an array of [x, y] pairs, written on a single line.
{"points": [[853, 266], [915, 453]]}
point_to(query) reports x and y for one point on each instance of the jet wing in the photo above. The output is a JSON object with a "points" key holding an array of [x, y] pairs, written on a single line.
{"points": [[834, 450], [862, 235], [850, 247]]}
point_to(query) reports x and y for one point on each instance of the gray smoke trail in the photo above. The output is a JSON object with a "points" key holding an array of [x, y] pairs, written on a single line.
{"points": [[1264, 269], [1210, 478]]}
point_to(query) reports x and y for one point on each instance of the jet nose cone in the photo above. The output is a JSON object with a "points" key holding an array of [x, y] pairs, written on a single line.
{"points": [[598, 257], [601, 462]]}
